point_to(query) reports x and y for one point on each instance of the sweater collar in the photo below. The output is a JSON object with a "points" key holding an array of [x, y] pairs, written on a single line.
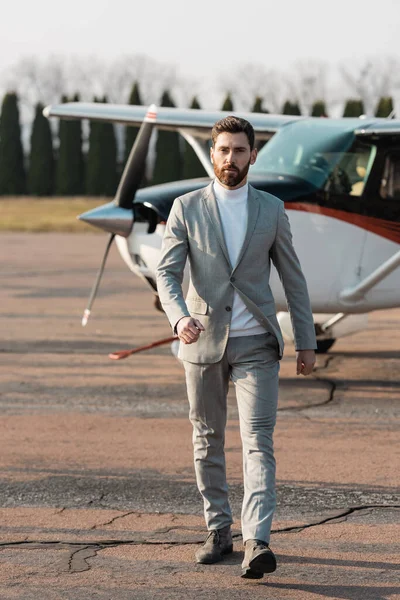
{"points": [[226, 195]]}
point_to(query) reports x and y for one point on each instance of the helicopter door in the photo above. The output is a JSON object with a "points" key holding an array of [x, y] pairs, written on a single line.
{"points": [[383, 236], [343, 199]]}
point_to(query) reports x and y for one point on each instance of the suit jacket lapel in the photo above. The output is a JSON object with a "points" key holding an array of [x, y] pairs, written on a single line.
{"points": [[253, 209], [212, 211]]}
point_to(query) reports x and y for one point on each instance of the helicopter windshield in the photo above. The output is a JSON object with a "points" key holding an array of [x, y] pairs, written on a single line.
{"points": [[323, 153]]}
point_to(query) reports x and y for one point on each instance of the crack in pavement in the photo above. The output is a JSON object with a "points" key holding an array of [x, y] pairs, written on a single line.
{"points": [[328, 360], [71, 558], [333, 384], [99, 499], [77, 561], [343, 515], [333, 387], [131, 512]]}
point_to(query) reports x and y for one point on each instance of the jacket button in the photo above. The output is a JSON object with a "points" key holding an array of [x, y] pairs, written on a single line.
{"points": [[232, 279], [228, 308]]}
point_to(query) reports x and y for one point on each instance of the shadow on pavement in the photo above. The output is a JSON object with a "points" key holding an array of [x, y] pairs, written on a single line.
{"points": [[339, 562], [340, 592]]}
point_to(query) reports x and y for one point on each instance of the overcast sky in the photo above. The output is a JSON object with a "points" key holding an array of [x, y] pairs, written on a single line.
{"points": [[203, 37]]}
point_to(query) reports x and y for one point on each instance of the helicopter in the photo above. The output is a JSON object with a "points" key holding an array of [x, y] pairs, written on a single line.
{"points": [[338, 178]]}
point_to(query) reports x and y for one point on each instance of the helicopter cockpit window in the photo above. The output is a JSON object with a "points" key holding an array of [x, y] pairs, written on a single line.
{"points": [[390, 184], [351, 171], [323, 154]]}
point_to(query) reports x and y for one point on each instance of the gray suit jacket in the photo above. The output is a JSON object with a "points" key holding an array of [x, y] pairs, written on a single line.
{"points": [[194, 230]]}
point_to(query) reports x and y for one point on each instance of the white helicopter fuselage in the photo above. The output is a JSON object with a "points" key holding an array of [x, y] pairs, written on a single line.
{"points": [[323, 244]]}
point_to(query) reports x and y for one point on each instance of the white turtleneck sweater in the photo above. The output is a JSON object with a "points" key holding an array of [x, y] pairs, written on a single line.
{"points": [[232, 206]]}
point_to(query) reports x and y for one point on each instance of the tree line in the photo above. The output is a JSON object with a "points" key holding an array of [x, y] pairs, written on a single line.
{"points": [[57, 163]]}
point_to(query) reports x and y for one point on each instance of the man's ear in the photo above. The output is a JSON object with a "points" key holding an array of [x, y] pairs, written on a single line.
{"points": [[253, 156], [212, 154]]}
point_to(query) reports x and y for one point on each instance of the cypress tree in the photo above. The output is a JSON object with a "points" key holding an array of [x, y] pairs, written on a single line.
{"points": [[70, 164], [92, 158], [61, 172], [101, 170], [131, 132], [228, 103], [192, 167], [353, 108], [41, 160], [167, 166], [258, 106], [109, 151], [79, 160], [384, 107], [12, 171], [319, 109], [291, 108]]}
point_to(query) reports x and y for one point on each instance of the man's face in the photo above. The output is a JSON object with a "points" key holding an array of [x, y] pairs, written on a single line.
{"points": [[231, 158]]}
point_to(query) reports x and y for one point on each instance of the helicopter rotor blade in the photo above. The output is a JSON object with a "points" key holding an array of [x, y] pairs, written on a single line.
{"points": [[117, 216], [136, 163], [95, 287]]}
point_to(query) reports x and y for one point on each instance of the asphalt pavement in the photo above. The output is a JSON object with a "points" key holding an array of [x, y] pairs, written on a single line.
{"points": [[97, 491]]}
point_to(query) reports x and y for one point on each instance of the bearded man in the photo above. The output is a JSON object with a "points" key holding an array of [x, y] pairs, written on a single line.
{"points": [[228, 331]]}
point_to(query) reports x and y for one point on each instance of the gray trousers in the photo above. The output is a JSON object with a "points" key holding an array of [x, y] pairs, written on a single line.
{"points": [[252, 363]]}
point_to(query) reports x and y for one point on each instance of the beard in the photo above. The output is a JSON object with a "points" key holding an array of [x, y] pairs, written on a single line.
{"points": [[231, 179]]}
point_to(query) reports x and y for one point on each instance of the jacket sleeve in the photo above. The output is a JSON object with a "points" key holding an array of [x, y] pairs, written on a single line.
{"points": [[287, 264], [171, 266]]}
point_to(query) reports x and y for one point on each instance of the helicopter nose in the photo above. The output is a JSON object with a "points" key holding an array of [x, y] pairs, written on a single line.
{"points": [[110, 218]]}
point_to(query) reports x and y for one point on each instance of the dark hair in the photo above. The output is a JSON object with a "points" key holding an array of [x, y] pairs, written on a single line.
{"points": [[233, 124]]}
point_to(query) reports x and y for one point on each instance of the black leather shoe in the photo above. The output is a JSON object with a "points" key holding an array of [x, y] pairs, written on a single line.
{"points": [[258, 559], [217, 544]]}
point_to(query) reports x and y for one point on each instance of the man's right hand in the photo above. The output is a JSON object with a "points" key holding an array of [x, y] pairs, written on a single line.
{"points": [[189, 329]]}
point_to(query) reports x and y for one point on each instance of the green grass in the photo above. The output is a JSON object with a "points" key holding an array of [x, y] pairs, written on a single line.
{"points": [[31, 214]]}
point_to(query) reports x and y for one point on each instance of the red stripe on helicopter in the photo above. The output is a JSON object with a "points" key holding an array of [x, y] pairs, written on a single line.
{"points": [[387, 229]]}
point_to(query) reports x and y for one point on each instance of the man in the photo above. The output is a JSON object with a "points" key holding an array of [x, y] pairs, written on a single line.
{"points": [[228, 330]]}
